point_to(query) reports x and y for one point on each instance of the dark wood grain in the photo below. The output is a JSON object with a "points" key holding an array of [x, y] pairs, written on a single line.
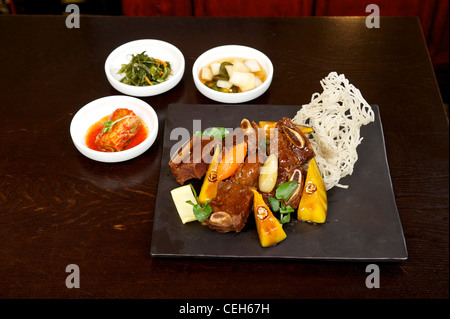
{"points": [[57, 207]]}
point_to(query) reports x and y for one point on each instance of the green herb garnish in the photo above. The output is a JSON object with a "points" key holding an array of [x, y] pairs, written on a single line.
{"points": [[274, 204], [143, 70], [216, 132], [264, 144], [201, 212], [109, 124], [277, 203], [285, 190], [285, 214]]}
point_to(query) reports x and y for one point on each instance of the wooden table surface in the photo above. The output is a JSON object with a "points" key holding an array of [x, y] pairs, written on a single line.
{"points": [[58, 207]]}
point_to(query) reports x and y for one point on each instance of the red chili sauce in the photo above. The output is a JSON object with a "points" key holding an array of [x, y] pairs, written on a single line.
{"points": [[97, 128]]}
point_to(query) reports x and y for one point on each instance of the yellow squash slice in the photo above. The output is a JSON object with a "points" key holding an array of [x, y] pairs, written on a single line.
{"points": [[313, 203], [270, 231], [209, 186]]}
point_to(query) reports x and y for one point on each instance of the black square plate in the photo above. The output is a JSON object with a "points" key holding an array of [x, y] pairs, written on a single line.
{"points": [[363, 223]]}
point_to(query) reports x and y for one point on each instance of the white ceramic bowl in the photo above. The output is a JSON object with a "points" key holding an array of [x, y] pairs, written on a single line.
{"points": [[232, 51], [154, 48], [96, 110]]}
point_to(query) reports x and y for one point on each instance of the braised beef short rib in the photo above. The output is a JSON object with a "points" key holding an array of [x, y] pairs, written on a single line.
{"points": [[247, 173], [231, 207], [192, 159], [234, 200]]}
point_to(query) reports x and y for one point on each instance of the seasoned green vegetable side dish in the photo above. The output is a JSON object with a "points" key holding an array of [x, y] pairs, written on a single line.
{"points": [[143, 70]]}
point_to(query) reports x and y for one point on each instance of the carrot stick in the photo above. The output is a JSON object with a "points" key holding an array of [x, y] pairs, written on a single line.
{"points": [[231, 160], [148, 81], [160, 61]]}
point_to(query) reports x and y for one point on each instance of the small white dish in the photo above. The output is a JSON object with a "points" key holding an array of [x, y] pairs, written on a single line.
{"points": [[153, 48], [232, 51], [94, 111]]}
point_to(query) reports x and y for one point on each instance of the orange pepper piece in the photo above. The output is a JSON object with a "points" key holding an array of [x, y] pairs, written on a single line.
{"points": [[268, 126]]}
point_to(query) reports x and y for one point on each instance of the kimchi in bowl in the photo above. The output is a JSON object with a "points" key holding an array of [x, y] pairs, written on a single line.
{"points": [[98, 109]]}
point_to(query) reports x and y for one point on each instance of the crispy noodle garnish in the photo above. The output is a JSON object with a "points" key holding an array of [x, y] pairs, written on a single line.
{"points": [[336, 115]]}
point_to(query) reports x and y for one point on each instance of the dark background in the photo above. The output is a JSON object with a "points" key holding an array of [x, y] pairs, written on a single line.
{"points": [[433, 15]]}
